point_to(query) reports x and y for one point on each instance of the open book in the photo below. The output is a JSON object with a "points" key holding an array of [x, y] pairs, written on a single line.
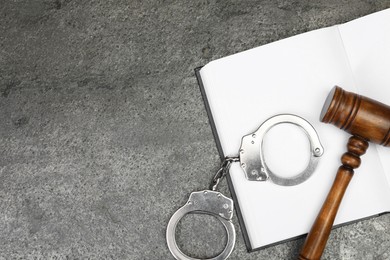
{"points": [[294, 76]]}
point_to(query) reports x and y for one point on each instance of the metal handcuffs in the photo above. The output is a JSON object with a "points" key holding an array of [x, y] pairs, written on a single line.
{"points": [[252, 162]]}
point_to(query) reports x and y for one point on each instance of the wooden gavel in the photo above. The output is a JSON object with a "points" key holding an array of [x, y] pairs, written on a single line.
{"points": [[367, 120]]}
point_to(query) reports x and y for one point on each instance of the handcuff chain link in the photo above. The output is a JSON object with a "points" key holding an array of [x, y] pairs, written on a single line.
{"points": [[222, 171]]}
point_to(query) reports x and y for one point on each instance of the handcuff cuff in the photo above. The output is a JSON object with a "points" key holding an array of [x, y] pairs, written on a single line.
{"points": [[252, 162]]}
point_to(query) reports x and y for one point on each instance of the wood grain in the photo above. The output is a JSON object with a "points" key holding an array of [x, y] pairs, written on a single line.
{"points": [[358, 115], [318, 236], [367, 120]]}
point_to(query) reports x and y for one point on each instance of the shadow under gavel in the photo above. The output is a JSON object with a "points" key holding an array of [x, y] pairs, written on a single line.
{"points": [[367, 120]]}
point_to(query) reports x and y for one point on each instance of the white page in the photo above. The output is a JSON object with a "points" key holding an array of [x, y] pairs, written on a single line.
{"points": [[367, 44], [289, 76]]}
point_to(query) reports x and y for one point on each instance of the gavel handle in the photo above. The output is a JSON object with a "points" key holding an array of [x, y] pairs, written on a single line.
{"points": [[316, 240], [319, 233]]}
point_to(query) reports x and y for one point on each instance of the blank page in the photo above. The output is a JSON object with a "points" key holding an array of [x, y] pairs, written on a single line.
{"points": [[289, 76], [367, 44]]}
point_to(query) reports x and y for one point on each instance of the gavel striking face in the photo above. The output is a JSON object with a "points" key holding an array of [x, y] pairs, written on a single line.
{"points": [[368, 121]]}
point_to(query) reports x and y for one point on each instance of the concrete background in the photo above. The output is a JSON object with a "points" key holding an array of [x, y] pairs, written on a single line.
{"points": [[103, 130]]}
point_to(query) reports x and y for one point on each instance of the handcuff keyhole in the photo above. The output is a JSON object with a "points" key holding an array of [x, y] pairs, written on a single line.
{"points": [[286, 150], [200, 235]]}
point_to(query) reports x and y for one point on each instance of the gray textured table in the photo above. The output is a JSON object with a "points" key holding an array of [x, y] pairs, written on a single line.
{"points": [[103, 129]]}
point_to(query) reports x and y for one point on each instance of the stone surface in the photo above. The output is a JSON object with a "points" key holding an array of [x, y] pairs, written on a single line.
{"points": [[103, 132]]}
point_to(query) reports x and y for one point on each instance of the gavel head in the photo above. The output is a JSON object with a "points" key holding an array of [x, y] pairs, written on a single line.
{"points": [[358, 115]]}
